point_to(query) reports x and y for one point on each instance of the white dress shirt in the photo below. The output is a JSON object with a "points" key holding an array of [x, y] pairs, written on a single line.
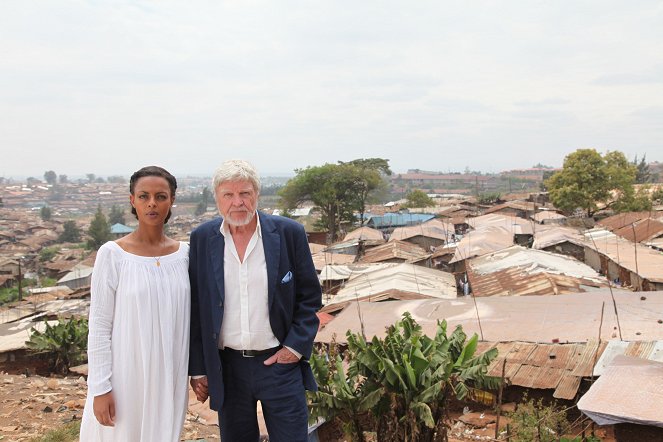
{"points": [[245, 323]]}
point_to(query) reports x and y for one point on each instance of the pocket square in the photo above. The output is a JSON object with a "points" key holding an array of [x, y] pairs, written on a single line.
{"points": [[286, 279]]}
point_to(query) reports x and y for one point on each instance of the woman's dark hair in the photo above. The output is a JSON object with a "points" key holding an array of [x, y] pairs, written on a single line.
{"points": [[153, 171]]}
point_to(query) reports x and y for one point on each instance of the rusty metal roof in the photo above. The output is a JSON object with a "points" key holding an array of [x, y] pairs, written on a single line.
{"points": [[643, 230], [399, 250], [364, 233], [432, 229], [517, 270], [546, 236], [567, 387], [481, 242], [620, 220], [540, 366], [639, 259], [322, 259]]}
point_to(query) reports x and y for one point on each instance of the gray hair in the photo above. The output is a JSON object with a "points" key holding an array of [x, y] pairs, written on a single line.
{"points": [[235, 170]]}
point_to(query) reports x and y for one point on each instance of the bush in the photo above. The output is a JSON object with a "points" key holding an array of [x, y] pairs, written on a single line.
{"points": [[535, 421], [65, 342]]}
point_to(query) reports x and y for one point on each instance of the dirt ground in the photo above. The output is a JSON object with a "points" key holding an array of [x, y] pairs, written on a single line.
{"points": [[30, 406]]}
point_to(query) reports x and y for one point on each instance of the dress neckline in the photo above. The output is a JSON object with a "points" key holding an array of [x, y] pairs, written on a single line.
{"points": [[148, 258]]}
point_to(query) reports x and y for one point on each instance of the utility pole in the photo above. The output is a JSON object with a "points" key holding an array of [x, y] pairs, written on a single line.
{"points": [[20, 278]]}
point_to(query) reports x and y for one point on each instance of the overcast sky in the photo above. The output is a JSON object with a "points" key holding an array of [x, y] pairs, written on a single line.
{"points": [[107, 87]]}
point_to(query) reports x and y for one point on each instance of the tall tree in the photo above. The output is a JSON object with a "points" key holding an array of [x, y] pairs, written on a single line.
{"points": [[99, 230], [71, 232], [370, 176], [50, 177], [329, 187], [205, 198], [45, 212], [588, 179], [643, 174], [63, 179], [116, 215], [90, 177]]}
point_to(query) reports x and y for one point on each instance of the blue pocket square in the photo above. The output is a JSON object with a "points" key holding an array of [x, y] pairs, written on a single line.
{"points": [[286, 279]]}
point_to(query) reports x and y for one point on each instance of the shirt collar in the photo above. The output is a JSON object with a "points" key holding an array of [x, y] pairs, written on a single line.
{"points": [[225, 228]]}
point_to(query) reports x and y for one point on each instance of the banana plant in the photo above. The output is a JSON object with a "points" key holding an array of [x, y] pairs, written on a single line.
{"points": [[343, 396], [65, 342], [419, 375]]}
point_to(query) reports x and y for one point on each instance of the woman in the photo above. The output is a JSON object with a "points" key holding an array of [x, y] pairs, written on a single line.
{"points": [[138, 345]]}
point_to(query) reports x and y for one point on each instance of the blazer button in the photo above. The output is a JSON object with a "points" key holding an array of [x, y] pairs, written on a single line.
{"points": [[214, 336]]}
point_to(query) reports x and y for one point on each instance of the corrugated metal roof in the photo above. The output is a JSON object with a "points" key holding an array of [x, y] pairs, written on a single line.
{"points": [[518, 271], [322, 259], [480, 242], [630, 391], [398, 219], [586, 357], [567, 387], [515, 225], [402, 278], [364, 233], [639, 259], [553, 235], [566, 318], [546, 215], [620, 220], [651, 350], [432, 229], [541, 366], [400, 250], [641, 231]]}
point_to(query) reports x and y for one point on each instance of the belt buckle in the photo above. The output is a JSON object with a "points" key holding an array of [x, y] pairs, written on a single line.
{"points": [[247, 354]]}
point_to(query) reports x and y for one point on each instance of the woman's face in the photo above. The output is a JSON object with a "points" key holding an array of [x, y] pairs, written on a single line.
{"points": [[152, 199]]}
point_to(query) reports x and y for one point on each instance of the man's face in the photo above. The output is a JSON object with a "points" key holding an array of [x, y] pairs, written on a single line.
{"points": [[236, 201]]}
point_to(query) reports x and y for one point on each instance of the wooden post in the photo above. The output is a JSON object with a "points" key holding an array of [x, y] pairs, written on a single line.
{"points": [[499, 401]]}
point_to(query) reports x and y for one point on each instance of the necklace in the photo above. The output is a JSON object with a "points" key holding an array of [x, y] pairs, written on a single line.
{"points": [[158, 260]]}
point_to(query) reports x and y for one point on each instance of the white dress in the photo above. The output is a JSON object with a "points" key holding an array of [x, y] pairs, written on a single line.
{"points": [[138, 345]]}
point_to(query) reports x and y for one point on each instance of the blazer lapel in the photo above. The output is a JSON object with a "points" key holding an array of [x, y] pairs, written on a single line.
{"points": [[271, 243], [216, 248]]}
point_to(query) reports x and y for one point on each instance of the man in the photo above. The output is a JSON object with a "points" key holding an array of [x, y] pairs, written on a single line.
{"points": [[254, 295]]}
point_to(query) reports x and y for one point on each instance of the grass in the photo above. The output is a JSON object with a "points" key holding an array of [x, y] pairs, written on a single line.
{"points": [[66, 433]]}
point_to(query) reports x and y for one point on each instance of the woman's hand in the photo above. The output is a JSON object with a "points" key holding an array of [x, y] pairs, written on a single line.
{"points": [[104, 409], [200, 387]]}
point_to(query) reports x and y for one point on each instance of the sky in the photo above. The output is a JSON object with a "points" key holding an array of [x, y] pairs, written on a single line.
{"points": [[108, 87]]}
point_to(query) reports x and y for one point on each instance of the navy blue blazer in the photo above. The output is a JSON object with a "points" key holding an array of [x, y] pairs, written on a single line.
{"points": [[292, 303]]}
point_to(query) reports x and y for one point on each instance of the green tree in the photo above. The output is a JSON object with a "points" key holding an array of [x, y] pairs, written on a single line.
{"points": [[657, 195], [418, 198], [47, 253], [50, 177], [369, 177], [90, 177], [99, 230], [330, 187], [63, 179], [71, 232], [65, 341], [643, 174], [116, 179], [116, 215], [588, 179], [45, 213], [205, 197]]}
